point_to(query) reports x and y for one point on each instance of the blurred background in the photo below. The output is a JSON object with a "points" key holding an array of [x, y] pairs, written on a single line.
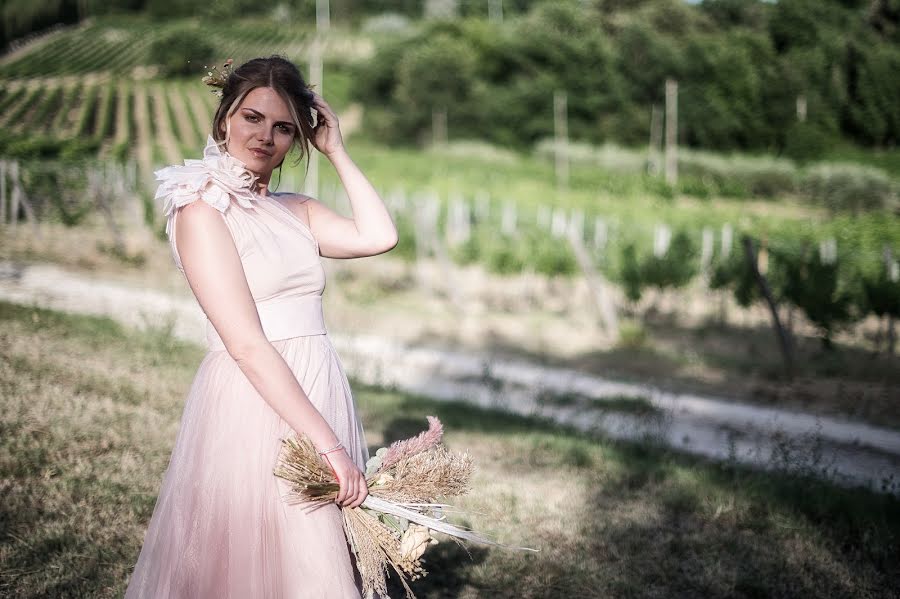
{"points": [[648, 276]]}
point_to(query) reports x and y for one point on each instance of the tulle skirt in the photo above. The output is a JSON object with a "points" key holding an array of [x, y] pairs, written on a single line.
{"points": [[221, 528]]}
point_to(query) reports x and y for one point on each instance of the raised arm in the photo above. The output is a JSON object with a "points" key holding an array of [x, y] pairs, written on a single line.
{"points": [[215, 274], [371, 230]]}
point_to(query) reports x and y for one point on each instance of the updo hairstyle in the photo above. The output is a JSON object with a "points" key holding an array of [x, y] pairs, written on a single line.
{"points": [[282, 76]]}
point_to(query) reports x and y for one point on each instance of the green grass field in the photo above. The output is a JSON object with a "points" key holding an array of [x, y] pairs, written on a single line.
{"points": [[89, 417]]}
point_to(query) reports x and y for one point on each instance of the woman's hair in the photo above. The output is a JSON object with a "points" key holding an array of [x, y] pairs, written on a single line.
{"points": [[282, 76]]}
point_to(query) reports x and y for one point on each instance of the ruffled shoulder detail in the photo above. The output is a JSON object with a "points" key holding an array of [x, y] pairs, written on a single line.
{"points": [[215, 179]]}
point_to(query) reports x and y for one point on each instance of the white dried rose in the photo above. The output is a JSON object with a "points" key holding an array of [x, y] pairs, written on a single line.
{"points": [[215, 179], [414, 542]]}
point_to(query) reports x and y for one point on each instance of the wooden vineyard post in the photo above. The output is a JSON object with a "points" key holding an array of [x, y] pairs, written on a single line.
{"points": [[14, 195], [706, 253], [561, 130], [671, 131], [2, 192], [439, 127], [323, 16], [427, 238], [482, 206], [104, 190], [18, 198], [784, 340], [596, 282], [653, 155], [495, 11], [558, 223], [508, 219]]}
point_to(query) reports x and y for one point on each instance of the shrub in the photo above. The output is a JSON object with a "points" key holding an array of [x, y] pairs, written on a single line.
{"points": [[827, 292], [805, 142], [740, 175], [675, 268], [848, 187]]}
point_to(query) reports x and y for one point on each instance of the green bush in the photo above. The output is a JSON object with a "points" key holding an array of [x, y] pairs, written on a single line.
{"points": [[805, 142], [882, 293], [79, 149], [829, 293], [673, 269], [509, 255], [57, 191], [849, 187], [739, 176], [734, 273]]}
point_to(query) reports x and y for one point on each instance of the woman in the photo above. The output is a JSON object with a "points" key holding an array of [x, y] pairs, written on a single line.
{"points": [[221, 527]]}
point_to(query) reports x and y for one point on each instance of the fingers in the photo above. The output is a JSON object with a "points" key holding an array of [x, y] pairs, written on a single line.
{"points": [[363, 493], [320, 103], [323, 108]]}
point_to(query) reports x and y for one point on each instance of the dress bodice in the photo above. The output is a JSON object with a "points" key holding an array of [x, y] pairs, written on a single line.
{"points": [[278, 252]]}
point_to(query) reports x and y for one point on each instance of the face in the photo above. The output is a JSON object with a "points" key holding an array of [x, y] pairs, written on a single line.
{"points": [[261, 132]]}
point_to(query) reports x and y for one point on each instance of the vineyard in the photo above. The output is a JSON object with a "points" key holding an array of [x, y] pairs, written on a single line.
{"points": [[827, 237]]}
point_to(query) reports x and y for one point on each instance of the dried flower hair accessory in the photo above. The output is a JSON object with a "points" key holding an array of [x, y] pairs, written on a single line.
{"points": [[216, 78]]}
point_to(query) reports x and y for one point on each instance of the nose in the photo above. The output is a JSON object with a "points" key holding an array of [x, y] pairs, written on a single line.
{"points": [[265, 136]]}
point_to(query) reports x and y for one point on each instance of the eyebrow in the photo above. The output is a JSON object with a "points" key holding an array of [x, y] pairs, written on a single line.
{"points": [[258, 113]]}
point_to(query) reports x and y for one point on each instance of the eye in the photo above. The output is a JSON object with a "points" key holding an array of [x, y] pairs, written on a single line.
{"points": [[285, 129], [251, 117]]}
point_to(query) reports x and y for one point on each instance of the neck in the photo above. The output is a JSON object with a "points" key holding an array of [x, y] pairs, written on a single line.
{"points": [[261, 185], [262, 188]]}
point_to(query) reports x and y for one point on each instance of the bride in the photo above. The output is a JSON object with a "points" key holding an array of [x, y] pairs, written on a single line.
{"points": [[221, 527]]}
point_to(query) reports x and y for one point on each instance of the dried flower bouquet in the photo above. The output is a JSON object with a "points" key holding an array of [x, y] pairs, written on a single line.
{"points": [[396, 522]]}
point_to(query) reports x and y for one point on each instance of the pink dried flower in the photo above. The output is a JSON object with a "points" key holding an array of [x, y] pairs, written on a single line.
{"points": [[409, 447]]}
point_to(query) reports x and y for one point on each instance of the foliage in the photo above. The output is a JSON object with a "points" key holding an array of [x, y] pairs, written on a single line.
{"points": [[182, 51], [740, 176], [674, 268], [505, 255], [735, 273], [819, 288], [40, 147], [501, 81], [830, 292], [741, 67], [57, 192], [849, 187], [882, 292]]}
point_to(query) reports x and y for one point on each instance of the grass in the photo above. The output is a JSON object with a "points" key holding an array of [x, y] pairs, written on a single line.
{"points": [[90, 413]]}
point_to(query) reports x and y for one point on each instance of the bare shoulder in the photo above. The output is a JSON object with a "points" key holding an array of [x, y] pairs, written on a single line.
{"points": [[197, 211]]}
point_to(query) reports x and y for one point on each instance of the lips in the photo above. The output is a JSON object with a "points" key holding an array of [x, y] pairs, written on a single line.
{"points": [[260, 152]]}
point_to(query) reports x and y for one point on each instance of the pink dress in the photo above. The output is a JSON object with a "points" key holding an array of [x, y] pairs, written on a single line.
{"points": [[221, 528]]}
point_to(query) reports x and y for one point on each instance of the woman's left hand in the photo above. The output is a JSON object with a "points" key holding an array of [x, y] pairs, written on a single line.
{"points": [[327, 133]]}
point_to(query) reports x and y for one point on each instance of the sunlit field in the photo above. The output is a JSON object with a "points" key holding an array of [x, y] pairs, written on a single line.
{"points": [[92, 411], [521, 149]]}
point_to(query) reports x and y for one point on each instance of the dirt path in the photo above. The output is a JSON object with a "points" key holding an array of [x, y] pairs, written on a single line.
{"points": [[847, 452]]}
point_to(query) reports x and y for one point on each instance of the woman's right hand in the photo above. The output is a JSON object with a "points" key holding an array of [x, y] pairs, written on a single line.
{"points": [[353, 487]]}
